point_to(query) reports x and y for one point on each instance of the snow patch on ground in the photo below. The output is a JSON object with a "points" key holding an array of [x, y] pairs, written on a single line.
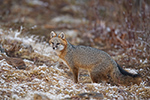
{"points": [[52, 81], [131, 70]]}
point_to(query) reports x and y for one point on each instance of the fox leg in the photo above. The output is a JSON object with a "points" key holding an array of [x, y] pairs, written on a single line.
{"points": [[94, 77], [75, 74], [99, 73], [98, 77]]}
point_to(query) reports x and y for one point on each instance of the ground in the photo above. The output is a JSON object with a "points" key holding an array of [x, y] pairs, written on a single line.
{"points": [[24, 33]]}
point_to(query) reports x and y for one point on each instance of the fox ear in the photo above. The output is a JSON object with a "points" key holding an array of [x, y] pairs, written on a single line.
{"points": [[62, 35], [52, 34]]}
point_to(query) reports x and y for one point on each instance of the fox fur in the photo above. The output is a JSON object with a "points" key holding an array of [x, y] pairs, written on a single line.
{"points": [[98, 63]]}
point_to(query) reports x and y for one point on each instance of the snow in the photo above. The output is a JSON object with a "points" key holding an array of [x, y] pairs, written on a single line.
{"points": [[37, 2], [4, 63], [26, 60], [51, 81], [18, 32], [108, 29], [131, 70], [145, 61]]}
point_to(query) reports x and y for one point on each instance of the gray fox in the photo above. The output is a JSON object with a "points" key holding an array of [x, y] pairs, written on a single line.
{"points": [[99, 64]]}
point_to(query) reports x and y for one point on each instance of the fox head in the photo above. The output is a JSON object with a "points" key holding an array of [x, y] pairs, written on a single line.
{"points": [[57, 42]]}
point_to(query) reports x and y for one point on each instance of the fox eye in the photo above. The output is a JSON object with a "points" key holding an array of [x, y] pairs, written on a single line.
{"points": [[58, 43], [52, 42]]}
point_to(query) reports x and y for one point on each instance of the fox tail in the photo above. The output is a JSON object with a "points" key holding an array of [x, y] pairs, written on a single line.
{"points": [[121, 76]]}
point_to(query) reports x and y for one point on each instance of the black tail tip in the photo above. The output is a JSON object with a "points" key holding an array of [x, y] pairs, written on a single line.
{"points": [[137, 75]]}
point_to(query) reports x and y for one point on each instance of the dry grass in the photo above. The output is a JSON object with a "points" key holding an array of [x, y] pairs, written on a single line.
{"points": [[54, 80], [118, 27]]}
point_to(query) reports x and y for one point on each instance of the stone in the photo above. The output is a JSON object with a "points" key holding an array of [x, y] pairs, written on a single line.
{"points": [[92, 95], [40, 97]]}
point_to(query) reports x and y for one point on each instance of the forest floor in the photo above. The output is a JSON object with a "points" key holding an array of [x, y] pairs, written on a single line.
{"points": [[24, 33]]}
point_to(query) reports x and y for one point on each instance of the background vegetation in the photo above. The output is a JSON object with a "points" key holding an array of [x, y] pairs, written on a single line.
{"points": [[119, 27]]}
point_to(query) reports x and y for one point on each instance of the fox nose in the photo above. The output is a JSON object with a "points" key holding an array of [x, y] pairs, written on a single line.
{"points": [[53, 48]]}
